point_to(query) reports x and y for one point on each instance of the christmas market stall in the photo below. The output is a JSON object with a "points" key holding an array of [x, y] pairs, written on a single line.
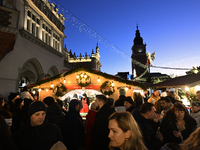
{"points": [[82, 80]]}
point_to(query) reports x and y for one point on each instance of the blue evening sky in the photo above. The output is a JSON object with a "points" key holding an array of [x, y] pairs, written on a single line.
{"points": [[171, 28]]}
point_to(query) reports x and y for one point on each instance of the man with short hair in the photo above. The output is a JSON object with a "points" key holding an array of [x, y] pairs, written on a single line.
{"points": [[100, 131], [198, 95], [144, 117], [75, 137], [36, 132], [166, 104]]}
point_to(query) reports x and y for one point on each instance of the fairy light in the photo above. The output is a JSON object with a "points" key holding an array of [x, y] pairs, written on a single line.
{"points": [[187, 88], [33, 91], [126, 88], [77, 76], [52, 85]]}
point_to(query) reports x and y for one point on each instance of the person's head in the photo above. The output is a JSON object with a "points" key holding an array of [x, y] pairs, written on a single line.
{"points": [[171, 93], [128, 102], [37, 113], [27, 102], [192, 142], [124, 132], [75, 96], [84, 95], [100, 101], [19, 102], [110, 102], [48, 101], [13, 96], [122, 92], [195, 106], [74, 105], [2, 102], [148, 110], [156, 92], [179, 111], [198, 95], [35, 97], [93, 106], [165, 103]]}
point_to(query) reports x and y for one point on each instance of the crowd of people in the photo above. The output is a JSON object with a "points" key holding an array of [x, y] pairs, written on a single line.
{"points": [[160, 122]]}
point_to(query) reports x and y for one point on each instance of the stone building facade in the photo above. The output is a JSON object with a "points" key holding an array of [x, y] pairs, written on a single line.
{"points": [[31, 43]]}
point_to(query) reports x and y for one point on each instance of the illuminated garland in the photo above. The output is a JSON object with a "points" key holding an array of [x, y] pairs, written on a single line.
{"points": [[59, 89], [83, 79], [107, 85]]}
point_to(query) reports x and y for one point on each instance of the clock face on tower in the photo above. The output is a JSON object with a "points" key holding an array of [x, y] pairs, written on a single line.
{"points": [[140, 50]]}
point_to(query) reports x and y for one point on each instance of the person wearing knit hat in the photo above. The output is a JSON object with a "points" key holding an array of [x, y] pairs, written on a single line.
{"points": [[35, 131], [48, 100], [129, 104]]}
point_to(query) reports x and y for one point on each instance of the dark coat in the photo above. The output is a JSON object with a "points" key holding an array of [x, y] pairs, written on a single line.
{"points": [[148, 129], [17, 116], [120, 101], [130, 109], [100, 131], [41, 137], [168, 125], [75, 129], [55, 115]]}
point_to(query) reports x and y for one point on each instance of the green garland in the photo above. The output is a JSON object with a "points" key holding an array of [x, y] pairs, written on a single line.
{"points": [[59, 89], [111, 88], [87, 79]]}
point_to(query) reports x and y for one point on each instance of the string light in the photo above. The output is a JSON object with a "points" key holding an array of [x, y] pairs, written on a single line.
{"points": [[85, 76], [52, 85], [39, 89], [112, 83], [77, 76], [64, 80], [98, 80], [82, 75], [126, 88]]}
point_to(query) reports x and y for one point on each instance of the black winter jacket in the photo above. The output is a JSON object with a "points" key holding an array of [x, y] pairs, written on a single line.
{"points": [[100, 131], [41, 137], [168, 125], [148, 129]]}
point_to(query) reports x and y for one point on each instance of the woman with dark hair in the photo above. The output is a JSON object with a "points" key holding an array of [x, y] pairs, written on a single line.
{"points": [[177, 124], [5, 140], [124, 132]]}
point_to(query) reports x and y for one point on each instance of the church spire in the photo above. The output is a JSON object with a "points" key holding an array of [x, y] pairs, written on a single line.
{"points": [[138, 40]]}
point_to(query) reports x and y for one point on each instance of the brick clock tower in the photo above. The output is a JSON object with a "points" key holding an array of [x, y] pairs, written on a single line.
{"points": [[139, 54]]}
